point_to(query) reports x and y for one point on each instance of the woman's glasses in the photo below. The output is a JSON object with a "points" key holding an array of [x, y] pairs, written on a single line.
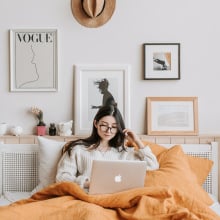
{"points": [[105, 128]]}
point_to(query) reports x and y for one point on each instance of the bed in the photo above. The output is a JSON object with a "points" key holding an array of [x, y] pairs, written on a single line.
{"points": [[185, 186]]}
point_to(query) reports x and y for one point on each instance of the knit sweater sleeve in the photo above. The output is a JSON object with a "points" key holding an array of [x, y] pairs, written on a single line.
{"points": [[147, 155], [152, 163], [67, 169]]}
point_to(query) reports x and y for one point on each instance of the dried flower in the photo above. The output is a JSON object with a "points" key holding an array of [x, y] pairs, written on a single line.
{"points": [[39, 115]]}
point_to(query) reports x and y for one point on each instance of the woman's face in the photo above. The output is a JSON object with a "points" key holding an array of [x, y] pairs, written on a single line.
{"points": [[106, 127]]}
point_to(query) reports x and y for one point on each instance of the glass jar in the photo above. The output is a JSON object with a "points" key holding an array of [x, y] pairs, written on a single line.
{"points": [[52, 129]]}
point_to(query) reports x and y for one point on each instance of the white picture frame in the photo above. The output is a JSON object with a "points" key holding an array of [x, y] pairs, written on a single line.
{"points": [[172, 115], [33, 60], [87, 93]]}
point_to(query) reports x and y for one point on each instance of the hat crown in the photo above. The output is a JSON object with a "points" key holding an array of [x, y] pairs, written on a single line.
{"points": [[93, 8]]}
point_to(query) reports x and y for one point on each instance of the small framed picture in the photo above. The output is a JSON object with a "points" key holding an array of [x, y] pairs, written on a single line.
{"points": [[96, 86], [161, 61], [33, 60], [172, 115]]}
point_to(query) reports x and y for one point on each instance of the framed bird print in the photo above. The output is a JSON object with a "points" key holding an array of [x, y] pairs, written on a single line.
{"points": [[161, 61]]}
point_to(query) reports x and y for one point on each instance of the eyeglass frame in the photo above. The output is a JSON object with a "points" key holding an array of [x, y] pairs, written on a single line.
{"points": [[108, 128]]}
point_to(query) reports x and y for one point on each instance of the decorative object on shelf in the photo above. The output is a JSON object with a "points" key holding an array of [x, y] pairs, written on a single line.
{"points": [[65, 128], [41, 130], [3, 128], [162, 61], [16, 130], [41, 126], [39, 115], [93, 13], [52, 129]]}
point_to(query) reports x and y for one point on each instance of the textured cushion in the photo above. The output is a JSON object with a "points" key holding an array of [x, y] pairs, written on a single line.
{"points": [[176, 172], [201, 167], [201, 172], [49, 155]]}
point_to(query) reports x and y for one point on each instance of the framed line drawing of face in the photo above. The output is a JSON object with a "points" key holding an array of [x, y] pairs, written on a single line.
{"points": [[33, 60], [98, 85], [162, 61]]}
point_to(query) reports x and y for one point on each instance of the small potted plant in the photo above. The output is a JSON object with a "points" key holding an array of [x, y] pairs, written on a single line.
{"points": [[41, 126]]}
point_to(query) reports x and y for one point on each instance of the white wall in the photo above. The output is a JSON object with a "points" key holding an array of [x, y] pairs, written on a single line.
{"points": [[194, 24]]}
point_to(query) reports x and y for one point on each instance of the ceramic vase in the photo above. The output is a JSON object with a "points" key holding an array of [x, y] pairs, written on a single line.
{"points": [[41, 130]]}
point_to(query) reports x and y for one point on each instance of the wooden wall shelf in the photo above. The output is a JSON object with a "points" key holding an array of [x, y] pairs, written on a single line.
{"points": [[200, 139]]}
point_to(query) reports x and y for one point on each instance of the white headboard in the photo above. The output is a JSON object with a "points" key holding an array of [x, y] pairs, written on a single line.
{"points": [[19, 165]]}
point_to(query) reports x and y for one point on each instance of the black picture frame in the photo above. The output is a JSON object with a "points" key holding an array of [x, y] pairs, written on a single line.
{"points": [[161, 61]]}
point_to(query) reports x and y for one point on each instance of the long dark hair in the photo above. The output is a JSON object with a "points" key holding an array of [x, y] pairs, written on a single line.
{"points": [[94, 139]]}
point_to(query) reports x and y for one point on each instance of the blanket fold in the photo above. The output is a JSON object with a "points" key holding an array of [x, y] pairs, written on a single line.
{"points": [[68, 201]]}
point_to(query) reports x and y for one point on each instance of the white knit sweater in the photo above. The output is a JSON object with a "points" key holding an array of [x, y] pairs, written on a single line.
{"points": [[77, 166]]}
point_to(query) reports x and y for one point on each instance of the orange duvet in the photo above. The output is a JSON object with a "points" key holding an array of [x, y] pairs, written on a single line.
{"points": [[68, 201]]}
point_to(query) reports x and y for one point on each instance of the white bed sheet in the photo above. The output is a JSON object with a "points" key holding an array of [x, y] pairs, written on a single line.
{"points": [[10, 197], [216, 205]]}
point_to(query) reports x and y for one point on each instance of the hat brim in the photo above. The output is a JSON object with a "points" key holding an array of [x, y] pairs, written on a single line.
{"points": [[98, 21]]}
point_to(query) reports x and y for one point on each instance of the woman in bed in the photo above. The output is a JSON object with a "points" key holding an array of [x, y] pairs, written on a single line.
{"points": [[107, 142]]}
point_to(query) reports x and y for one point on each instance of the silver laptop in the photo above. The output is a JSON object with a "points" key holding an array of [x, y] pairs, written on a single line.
{"points": [[115, 176]]}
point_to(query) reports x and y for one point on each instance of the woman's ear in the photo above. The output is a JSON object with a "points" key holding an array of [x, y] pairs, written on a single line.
{"points": [[95, 123]]}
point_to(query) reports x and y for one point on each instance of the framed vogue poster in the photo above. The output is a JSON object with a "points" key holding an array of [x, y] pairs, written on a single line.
{"points": [[161, 61], [172, 115], [33, 60], [98, 85]]}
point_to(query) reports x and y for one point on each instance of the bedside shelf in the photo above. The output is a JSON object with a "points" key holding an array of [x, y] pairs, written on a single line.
{"points": [[32, 139]]}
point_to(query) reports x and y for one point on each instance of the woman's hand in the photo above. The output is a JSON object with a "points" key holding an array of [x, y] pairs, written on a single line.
{"points": [[133, 137], [86, 184]]}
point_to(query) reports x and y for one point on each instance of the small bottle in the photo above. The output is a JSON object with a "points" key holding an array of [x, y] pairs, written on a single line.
{"points": [[52, 129]]}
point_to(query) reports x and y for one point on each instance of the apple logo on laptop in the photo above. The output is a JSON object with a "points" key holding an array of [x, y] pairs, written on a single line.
{"points": [[118, 178]]}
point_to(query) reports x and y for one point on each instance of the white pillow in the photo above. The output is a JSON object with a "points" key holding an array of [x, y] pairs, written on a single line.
{"points": [[49, 155]]}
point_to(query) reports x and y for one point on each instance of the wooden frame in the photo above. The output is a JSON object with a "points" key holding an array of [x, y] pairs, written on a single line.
{"points": [[33, 60], [161, 61], [172, 115], [88, 95]]}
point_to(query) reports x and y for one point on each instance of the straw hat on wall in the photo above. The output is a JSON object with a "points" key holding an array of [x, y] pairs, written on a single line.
{"points": [[92, 13]]}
